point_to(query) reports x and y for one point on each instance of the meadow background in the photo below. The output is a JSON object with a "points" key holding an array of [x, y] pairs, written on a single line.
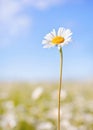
{"points": [[29, 74], [25, 106]]}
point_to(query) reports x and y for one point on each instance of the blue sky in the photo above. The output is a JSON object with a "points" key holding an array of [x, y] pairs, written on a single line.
{"points": [[24, 23]]}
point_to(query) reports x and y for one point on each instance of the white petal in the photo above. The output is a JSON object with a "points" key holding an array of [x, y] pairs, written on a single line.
{"points": [[67, 33], [59, 31], [49, 37], [62, 44], [45, 42], [66, 42], [47, 46], [62, 30], [53, 33], [68, 39]]}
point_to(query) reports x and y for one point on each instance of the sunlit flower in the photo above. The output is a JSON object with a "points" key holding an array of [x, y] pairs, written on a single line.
{"points": [[61, 38]]}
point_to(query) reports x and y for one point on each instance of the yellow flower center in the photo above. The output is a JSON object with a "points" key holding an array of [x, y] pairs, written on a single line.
{"points": [[58, 40]]}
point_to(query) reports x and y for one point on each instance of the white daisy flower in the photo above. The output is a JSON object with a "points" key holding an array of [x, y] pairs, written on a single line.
{"points": [[61, 38]]}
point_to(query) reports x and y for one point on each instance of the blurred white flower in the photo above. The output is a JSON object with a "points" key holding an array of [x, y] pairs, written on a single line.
{"points": [[37, 93], [8, 105], [67, 108], [8, 121], [89, 105], [72, 128], [88, 118], [82, 127], [61, 38], [45, 126], [65, 123], [53, 113], [63, 94], [3, 95]]}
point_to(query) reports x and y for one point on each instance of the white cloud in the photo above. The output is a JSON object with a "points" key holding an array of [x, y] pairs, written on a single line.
{"points": [[43, 4], [13, 19], [8, 9], [19, 24], [13, 15]]}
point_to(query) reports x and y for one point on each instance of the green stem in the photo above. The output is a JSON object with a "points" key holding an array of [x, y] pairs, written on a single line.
{"points": [[60, 86]]}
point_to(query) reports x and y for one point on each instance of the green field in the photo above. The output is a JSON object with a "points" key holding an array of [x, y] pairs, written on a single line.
{"points": [[26, 106]]}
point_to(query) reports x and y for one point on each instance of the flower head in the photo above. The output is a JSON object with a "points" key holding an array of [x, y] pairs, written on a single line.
{"points": [[61, 38]]}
